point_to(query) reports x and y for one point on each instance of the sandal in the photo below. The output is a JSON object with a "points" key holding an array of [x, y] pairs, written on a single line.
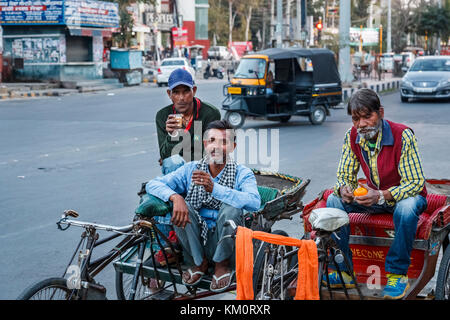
{"points": [[217, 279], [191, 274]]}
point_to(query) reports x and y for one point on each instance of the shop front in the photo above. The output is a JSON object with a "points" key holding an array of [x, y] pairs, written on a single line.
{"points": [[55, 39]]}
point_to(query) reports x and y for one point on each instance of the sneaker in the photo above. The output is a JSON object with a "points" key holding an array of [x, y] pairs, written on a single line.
{"points": [[396, 286], [335, 280]]}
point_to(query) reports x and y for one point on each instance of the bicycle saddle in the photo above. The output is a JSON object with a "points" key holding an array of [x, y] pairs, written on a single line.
{"points": [[328, 219]]}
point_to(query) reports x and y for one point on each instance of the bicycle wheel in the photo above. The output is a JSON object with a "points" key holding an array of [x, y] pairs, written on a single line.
{"points": [[258, 268], [143, 289], [49, 289], [443, 279]]}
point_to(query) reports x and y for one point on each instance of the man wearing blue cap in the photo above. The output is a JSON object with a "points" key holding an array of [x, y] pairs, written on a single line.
{"points": [[195, 117]]}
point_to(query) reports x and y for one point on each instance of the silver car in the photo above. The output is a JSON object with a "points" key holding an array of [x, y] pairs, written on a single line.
{"points": [[428, 78]]}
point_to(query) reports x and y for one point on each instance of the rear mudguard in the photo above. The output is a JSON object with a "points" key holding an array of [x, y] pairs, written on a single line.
{"points": [[235, 104]]}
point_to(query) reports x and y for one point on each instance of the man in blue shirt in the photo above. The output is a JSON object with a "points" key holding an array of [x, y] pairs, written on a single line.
{"points": [[217, 189]]}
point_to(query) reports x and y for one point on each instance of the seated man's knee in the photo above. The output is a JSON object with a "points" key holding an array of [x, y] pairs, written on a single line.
{"points": [[172, 163], [334, 201], [228, 212], [410, 208]]}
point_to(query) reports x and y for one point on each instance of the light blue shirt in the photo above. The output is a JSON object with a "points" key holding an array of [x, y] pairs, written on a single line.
{"points": [[244, 196]]}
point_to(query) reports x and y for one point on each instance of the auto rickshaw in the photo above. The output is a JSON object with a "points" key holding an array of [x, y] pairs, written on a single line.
{"points": [[277, 84]]}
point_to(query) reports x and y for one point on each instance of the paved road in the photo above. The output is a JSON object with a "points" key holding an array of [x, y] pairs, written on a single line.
{"points": [[90, 152]]}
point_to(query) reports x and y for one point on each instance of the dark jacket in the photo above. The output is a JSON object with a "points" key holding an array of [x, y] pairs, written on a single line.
{"points": [[204, 113]]}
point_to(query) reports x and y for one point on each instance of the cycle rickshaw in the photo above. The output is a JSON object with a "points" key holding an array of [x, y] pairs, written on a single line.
{"points": [[370, 239], [281, 196]]}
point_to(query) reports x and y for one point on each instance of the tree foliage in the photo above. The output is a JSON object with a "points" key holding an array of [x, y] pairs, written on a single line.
{"points": [[433, 21], [126, 21]]}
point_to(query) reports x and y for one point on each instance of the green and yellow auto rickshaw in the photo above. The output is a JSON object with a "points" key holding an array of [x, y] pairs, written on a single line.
{"points": [[277, 84]]}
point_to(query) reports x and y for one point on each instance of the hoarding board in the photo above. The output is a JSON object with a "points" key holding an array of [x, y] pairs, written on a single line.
{"points": [[59, 12], [92, 13], [32, 12], [180, 37], [370, 36]]}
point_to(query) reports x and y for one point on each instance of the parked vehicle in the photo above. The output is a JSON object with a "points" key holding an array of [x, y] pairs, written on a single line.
{"points": [[133, 256], [371, 236], [219, 52], [294, 91], [408, 59], [387, 62], [428, 78], [213, 72], [170, 64]]}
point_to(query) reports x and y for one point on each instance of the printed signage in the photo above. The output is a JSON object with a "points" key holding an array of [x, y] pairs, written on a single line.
{"points": [[369, 36], [31, 12], [74, 13], [92, 13], [180, 37]]}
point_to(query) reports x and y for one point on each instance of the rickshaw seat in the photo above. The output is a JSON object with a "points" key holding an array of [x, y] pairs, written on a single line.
{"points": [[304, 79], [267, 194], [378, 225]]}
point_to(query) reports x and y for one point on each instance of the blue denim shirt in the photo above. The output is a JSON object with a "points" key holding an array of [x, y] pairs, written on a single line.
{"points": [[245, 194]]}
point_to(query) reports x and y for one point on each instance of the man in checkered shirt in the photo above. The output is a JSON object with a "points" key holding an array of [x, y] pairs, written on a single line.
{"points": [[388, 155]]}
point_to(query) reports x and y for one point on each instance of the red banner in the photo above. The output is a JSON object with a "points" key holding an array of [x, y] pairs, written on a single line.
{"points": [[180, 37]]}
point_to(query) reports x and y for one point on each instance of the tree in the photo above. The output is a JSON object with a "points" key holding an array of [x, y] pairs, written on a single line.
{"points": [[403, 20], [218, 21], [433, 21], [245, 9], [231, 19], [360, 12], [126, 21]]}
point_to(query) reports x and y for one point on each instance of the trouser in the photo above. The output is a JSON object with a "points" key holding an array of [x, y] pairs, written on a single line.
{"points": [[405, 214], [214, 250], [164, 225]]}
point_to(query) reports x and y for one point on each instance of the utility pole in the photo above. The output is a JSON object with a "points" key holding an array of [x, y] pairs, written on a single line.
{"points": [[288, 20], [264, 29], [272, 21], [439, 38], [345, 67], [298, 23], [388, 38], [279, 30], [370, 25]]}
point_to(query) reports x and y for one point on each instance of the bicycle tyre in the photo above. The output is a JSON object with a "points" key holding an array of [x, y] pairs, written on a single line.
{"points": [[258, 264], [122, 287], [443, 278], [48, 284]]}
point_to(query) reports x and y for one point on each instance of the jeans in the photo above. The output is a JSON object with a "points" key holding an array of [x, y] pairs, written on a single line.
{"points": [[406, 215], [172, 163], [214, 250], [168, 165]]}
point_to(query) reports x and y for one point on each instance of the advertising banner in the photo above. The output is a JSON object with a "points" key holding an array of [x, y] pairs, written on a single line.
{"points": [[60, 12], [369, 36], [92, 13], [32, 12], [180, 37]]}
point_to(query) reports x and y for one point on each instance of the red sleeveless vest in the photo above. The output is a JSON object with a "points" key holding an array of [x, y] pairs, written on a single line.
{"points": [[388, 158]]}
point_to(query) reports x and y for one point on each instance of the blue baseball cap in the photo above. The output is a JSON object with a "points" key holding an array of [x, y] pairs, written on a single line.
{"points": [[180, 77]]}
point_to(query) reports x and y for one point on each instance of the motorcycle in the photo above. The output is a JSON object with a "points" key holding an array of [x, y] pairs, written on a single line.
{"points": [[218, 73]]}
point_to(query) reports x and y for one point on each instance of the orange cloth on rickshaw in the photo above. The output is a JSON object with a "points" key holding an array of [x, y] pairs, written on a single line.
{"points": [[308, 263]]}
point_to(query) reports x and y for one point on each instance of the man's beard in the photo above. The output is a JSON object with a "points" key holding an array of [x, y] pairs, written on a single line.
{"points": [[369, 132], [217, 159]]}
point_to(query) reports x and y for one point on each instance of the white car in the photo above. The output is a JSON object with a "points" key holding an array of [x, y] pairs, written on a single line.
{"points": [[387, 62], [170, 64], [408, 59], [219, 53]]}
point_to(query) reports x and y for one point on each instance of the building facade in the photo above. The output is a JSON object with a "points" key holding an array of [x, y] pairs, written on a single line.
{"points": [[55, 39]]}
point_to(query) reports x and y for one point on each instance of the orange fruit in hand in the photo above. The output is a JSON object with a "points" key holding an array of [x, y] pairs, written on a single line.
{"points": [[360, 192]]}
